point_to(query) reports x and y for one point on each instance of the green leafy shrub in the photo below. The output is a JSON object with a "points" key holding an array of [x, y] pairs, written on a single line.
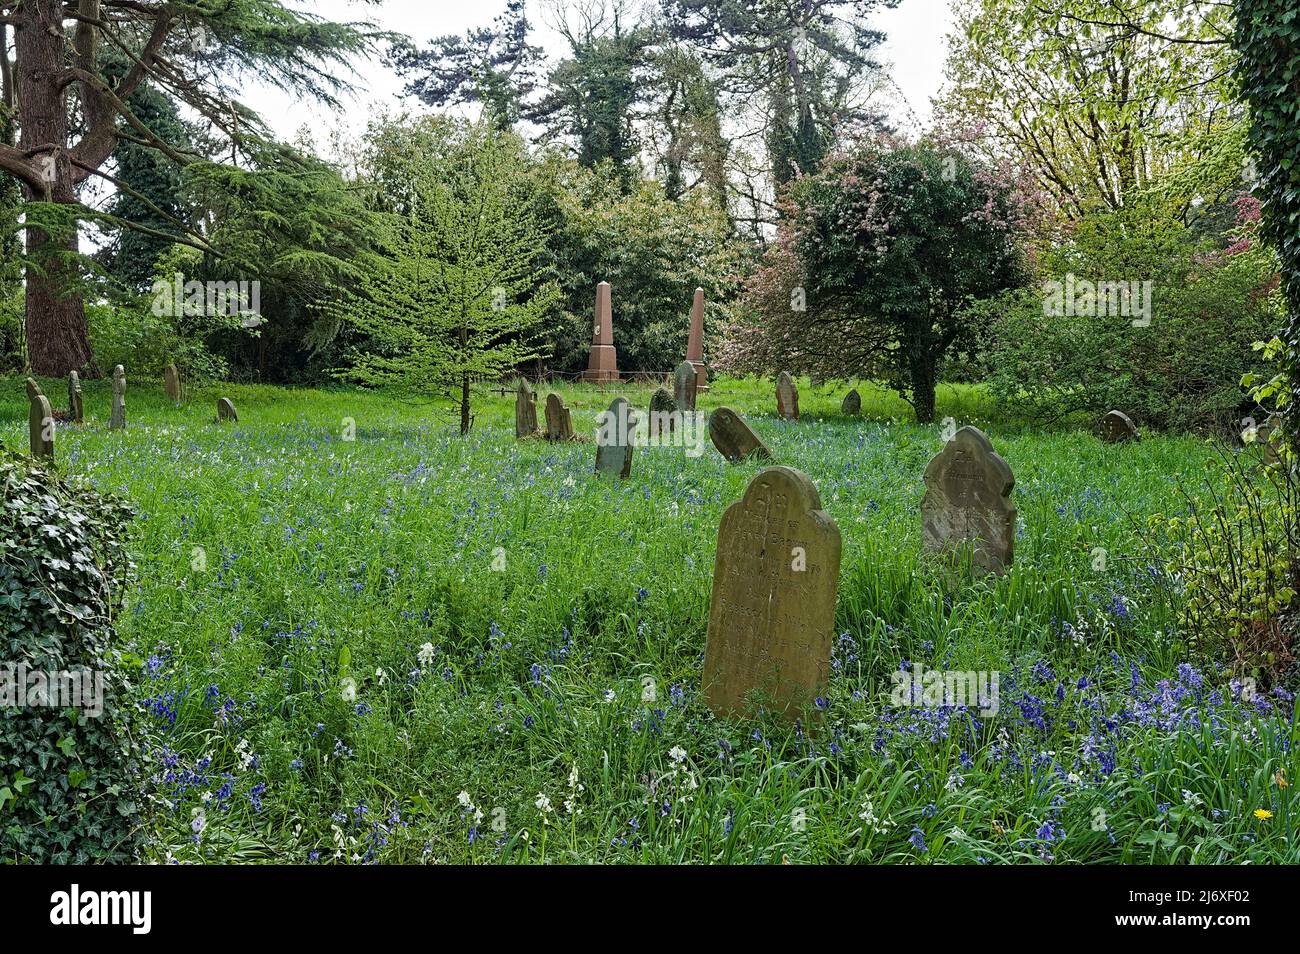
{"points": [[1210, 298], [1233, 554], [68, 787]]}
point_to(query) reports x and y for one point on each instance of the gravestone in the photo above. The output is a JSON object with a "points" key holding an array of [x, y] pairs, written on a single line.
{"points": [[1268, 438], [40, 422], [117, 418], [695, 343], [1117, 426], [525, 410], [226, 410], [663, 413], [787, 397], [772, 610], [967, 503], [76, 405], [559, 421], [172, 383], [735, 439], [684, 386], [614, 440], [852, 403]]}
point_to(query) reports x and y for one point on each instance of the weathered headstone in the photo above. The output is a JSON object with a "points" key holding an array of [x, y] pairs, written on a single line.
{"points": [[663, 413], [787, 397], [1117, 426], [684, 386], [559, 421], [615, 439], [1267, 438], [76, 405], [602, 365], [525, 410], [852, 403], [967, 503], [172, 382], [772, 611], [226, 410], [117, 418], [735, 439], [40, 422], [695, 342]]}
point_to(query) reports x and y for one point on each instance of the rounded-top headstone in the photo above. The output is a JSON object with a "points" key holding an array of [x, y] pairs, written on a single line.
{"points": [[615, 440], [226, 410], [787, 397], [852, 402], [967, 504], [1116, 426], [685, 386], [772, 608]]}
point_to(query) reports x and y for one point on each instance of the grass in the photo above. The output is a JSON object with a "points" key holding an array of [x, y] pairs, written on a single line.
{"points": [[526, 644]]}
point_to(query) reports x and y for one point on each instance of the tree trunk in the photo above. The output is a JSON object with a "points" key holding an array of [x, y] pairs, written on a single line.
{"points": [[922, 362], [58, 339], [464, 404]]}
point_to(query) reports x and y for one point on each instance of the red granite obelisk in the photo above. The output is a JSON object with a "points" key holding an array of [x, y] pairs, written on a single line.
{"points": [[603, 364], [695, 343]]}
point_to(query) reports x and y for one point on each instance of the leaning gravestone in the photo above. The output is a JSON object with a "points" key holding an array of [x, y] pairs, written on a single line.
{"points": [[663, 412], [559, 420], [852, 403], [1117, 426], [76, 405], [685, 382], [772, 612], [787, 397], [40, 421], [525, 411], [226, 410], [172, 382], [734, 439], [117, 419], [967, 503], [614, 440]]}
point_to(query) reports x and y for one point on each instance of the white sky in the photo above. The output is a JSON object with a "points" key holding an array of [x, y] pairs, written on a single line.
{"points": [[913, 54]]}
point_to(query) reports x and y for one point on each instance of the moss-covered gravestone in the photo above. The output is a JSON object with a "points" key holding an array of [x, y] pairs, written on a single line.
{"points": [[117, 418], [735, 439], [559, 420], [525, 410], [615, 439], [967, 505], [772, 610], [76, 405], [787, 397], [663, 413], [852, 404], [40, 422], [685, 381], [172, 383]]}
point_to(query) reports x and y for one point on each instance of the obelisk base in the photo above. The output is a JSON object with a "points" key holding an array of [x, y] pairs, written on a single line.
{"points": [[603, 365], [701, 376]]}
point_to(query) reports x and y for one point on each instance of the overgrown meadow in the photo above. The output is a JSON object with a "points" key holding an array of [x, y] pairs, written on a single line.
{"points": [[415, 647]]}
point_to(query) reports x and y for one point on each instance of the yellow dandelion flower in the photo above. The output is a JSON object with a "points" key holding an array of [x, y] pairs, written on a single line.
{"points": [[1263, 814]]}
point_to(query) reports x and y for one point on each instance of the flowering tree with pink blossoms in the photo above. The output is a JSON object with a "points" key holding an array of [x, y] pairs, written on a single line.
{"points": [[880, 257]]}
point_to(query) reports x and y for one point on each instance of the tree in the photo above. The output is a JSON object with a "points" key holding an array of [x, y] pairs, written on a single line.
{"points": [[455, 298], [592, 94], [1268, 39], [73, 114], [802, 61], [494, 66], [1100, 98], [882, 256]]}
